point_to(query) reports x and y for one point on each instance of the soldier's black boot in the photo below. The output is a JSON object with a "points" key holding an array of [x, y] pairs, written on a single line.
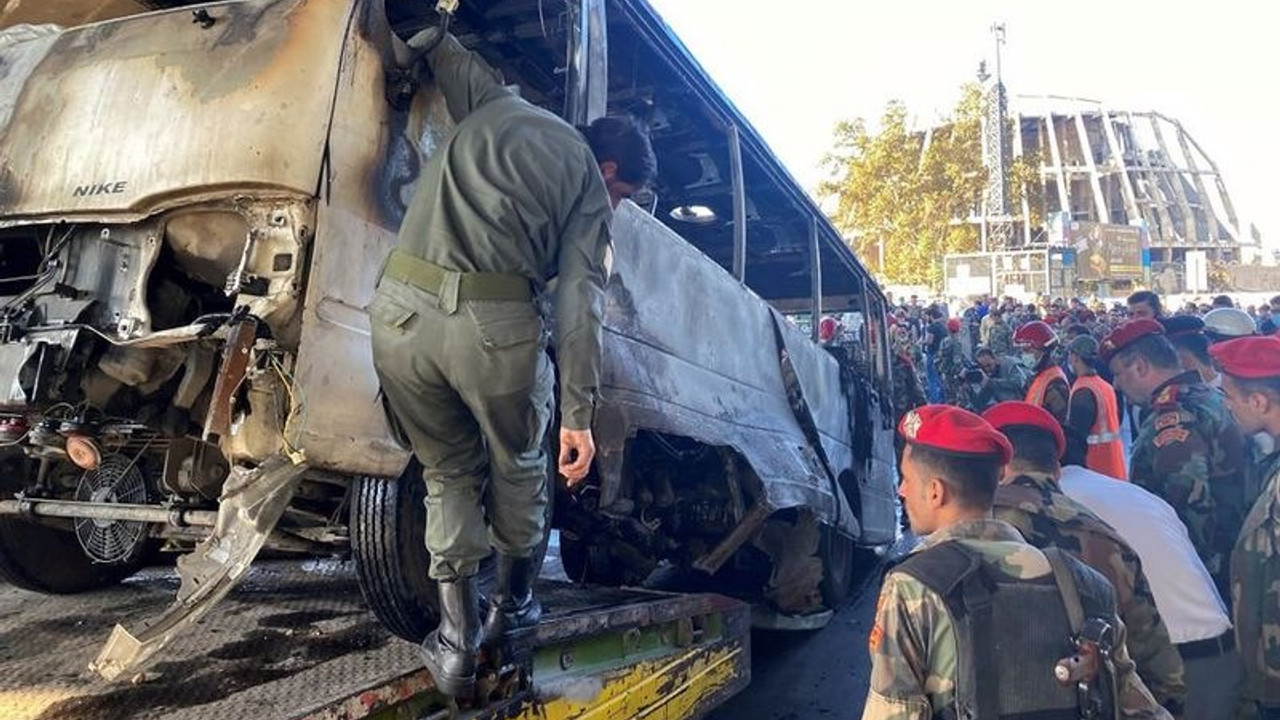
{"points": [[513, 606], [449, 652]]}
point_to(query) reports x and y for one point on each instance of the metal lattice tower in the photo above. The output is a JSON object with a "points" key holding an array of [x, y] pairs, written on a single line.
{"points": [[997, 225]]}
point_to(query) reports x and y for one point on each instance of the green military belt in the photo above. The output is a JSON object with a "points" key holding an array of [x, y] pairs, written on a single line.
{"points": [[428, 276]]}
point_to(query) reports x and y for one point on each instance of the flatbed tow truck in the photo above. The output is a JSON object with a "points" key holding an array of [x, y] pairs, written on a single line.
{"points": [[295, 642], [194, 206]]}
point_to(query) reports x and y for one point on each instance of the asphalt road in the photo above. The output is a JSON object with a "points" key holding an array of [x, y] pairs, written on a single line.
{"points": [[820, 674]]}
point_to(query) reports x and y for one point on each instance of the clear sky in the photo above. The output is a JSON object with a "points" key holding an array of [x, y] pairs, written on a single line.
{"points": [[795, 68]]}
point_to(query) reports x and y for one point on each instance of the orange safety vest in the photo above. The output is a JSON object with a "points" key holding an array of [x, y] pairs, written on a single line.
{"points": [[1040, 385], [1106, 448]]}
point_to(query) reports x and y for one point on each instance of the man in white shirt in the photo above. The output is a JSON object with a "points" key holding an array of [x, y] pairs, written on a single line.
{"points": [[1185, 594]]}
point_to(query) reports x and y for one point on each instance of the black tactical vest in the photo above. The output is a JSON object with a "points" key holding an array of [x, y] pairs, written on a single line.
{"points": [[1011, 632]]}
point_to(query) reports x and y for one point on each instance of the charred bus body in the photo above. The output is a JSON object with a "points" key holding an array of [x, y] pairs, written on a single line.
{"points": [[193, 216]]}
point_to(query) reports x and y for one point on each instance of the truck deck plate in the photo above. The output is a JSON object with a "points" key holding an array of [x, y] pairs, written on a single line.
{"points": [[295, 640]]}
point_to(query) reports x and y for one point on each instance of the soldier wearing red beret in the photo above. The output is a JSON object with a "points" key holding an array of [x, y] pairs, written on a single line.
{"points": [[1189, 449], [1251, 380], [1030, 499], [974, 586]]}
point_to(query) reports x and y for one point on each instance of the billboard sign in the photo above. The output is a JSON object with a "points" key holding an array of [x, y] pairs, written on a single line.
{"points": [[1106, 252]]}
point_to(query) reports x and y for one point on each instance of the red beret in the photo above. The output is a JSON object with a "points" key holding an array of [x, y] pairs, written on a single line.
{"points": [[1013, 412], [1125, 335], [954, 430], [1251, 358], [953, 325]]}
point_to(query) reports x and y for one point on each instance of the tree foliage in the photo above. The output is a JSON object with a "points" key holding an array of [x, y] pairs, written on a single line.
{"points": [[915, 191]]}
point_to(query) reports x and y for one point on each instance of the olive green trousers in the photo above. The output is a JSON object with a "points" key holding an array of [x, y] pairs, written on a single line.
{"points": [[468, 384]]}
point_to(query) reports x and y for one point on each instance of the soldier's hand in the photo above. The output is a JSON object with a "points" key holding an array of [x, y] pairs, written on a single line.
{"points": [[424, 40], [577, 449]]}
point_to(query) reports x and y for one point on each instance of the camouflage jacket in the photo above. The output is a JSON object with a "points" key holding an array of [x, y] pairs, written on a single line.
{"points": [[1190, 452], [950, 359], [1009, 383], [1255, 591], [913, 642], [1001, 339], [908, 394], [1035, 505]]}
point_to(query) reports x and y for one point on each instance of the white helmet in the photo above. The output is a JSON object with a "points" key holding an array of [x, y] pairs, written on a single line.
{"points": [[1228, 323]]}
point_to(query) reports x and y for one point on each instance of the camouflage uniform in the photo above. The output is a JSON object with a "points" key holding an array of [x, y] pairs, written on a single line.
{"points": [[913, 643], [1035, 505], [1001, 338], [1190, 452], [1255, 589], [950, 362], [1010, 383], [908, 394]]}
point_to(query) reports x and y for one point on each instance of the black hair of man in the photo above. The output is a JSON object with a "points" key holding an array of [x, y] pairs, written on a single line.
{"points": [[1273, 302], [1221, 301], [620, 139], [1033, 448], [974, 478], [983, 350], [1196, 344], [1155, 349], [1146, 297], [1078, 329]]}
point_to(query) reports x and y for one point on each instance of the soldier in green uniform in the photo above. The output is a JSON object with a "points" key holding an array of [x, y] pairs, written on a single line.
{"points": [[1030, 499], [908, 393], [1001, 338], [1251, 380], [1189, 449], [512, 198], [975, 586], [1002, 379], [950, 361]]}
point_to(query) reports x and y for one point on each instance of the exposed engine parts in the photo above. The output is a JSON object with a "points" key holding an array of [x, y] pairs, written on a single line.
{"points": [[117, 479], [686, 500], [140, 361]]}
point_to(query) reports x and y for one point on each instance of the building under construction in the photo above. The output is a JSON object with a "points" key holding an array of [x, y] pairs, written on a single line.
{"points": [[1121, 167], [1124, 198], [1127, 198]]}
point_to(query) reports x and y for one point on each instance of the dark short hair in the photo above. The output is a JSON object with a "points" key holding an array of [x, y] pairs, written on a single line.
{"points": [[619, 139], [1155, 349], [1033, 447], [1146, 297], [1196, 344], [974, 478], [983, 350], [1274, 301], [1223, 301]]}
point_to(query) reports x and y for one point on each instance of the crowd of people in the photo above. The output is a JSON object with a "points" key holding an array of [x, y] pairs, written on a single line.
{"points": [[943, 351], [1019, 475]]}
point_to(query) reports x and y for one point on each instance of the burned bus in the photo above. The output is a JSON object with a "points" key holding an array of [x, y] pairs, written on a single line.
{"points": [[195, 204]]}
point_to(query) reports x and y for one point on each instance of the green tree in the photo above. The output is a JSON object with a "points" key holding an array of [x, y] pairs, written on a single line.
{"points": [[906, 197]]}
